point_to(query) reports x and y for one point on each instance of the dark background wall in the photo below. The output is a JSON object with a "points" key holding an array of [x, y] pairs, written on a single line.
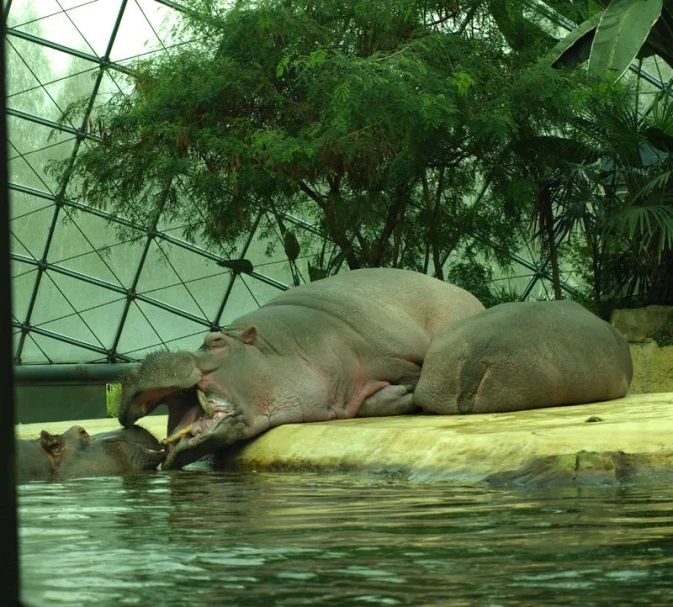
{"points": [[45, 393], [45, 402]]}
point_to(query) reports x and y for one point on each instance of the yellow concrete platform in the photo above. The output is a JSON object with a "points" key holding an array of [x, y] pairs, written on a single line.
{"points": [[630, 439]]}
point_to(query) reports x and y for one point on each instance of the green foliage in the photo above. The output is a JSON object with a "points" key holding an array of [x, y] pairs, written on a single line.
{"points": [[664, 337], [477, 278], [113, 395], [405, 131], [626, 222], [358, 117]]}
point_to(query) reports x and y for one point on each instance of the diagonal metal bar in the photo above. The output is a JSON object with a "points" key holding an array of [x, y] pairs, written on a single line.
{"points": [[52, 125], [73, 342], [174, 5], [230, 286], [103, 62], [5, 11]]}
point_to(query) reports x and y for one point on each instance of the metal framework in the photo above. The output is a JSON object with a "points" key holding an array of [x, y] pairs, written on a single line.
{"points": [[80, 296]]}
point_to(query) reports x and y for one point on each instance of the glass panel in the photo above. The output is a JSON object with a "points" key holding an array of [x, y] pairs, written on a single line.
{"points": [[88, 244], [170, 273], [209, 292], [22, 205], [143, 30], [246, 296], [112, 83], [43, 81], [50, 304], [149, 328], [85, 26], [28, 233], [23, 285], [40, 349], [30, 147], [104, 319]]}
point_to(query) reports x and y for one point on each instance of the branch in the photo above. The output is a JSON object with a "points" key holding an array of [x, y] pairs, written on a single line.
{"points": [[395, 211], [319, 200]]}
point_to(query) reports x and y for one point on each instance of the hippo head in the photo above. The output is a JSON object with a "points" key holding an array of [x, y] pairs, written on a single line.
{"points": [[76, 453], [121, 451], [206, 392]]}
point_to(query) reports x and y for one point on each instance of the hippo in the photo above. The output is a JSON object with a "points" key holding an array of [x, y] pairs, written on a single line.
{"points": [[355, 344], [524, 355], [76, 453], [352, 344]]}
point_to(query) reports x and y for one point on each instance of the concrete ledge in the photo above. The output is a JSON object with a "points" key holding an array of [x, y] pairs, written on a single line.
{"points": [[626, 440]]}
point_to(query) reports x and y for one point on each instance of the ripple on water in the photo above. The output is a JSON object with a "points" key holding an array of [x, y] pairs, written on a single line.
{"points": [[207, 539]]}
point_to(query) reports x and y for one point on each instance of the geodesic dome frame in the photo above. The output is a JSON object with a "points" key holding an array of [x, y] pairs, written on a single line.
{"points": [[82, 294]]}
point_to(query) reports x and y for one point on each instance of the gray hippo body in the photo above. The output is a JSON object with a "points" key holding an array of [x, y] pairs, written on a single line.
{"points": [[524, 355], [76, 453], [351, 345], [348, 345]]}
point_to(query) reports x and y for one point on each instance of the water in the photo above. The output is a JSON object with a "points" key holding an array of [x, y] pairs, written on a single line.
{"points": [[195, 538]]}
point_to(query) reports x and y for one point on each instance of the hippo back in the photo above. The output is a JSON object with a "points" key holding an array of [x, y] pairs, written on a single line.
{"points": [[371, 296]]}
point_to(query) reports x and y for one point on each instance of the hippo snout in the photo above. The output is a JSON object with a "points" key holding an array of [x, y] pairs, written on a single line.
{"points": [[153, 382]]}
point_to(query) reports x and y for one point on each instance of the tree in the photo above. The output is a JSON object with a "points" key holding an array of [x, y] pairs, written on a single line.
{"points": [[635, 258], [367, 118], [409, 133]]}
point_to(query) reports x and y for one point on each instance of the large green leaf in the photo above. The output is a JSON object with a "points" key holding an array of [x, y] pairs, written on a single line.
{"points": [[574, 48], [621, 33]]}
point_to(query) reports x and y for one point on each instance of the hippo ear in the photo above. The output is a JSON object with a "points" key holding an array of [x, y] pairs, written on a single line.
{"points": [[53, 443], [248, 336]]}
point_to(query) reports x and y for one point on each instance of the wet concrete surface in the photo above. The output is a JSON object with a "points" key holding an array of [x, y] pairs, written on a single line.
{"points": [[615, 442]]}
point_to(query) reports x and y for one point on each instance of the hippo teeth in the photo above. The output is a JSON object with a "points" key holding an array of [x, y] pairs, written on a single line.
{"points": [[176, 436], [208, 411], [205, 405]]}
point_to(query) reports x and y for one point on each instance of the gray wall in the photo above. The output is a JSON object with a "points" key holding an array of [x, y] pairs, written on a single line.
{"points": [[45, 403]]}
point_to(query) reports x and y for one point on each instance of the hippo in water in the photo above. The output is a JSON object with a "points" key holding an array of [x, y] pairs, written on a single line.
{"points": [[76, 453], [349, 345]]}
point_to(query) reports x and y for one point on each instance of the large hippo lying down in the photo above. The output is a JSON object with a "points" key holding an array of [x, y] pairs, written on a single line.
{"points": [[76, 453], [357, 344]]}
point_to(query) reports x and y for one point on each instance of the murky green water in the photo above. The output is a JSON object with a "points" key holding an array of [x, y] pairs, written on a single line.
{"points": [[196, 538]]}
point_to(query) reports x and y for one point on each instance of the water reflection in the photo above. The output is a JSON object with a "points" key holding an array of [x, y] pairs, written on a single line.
{"points": [[195, 538]]}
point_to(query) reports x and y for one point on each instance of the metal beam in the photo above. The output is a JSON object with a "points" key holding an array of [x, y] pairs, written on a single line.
{"points": [[9, 558], [102, 62], [94, 373], [52, 125]]}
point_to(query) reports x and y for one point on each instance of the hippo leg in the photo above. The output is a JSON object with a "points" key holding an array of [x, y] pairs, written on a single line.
{"points": [[469, 382], [391, 400]]}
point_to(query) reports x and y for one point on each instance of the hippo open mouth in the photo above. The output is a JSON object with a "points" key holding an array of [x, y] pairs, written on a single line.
{"points": [[192, 415], [202, 415]]}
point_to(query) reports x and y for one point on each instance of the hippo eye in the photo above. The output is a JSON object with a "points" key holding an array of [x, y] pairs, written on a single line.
{"points": [[83, 434]]}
